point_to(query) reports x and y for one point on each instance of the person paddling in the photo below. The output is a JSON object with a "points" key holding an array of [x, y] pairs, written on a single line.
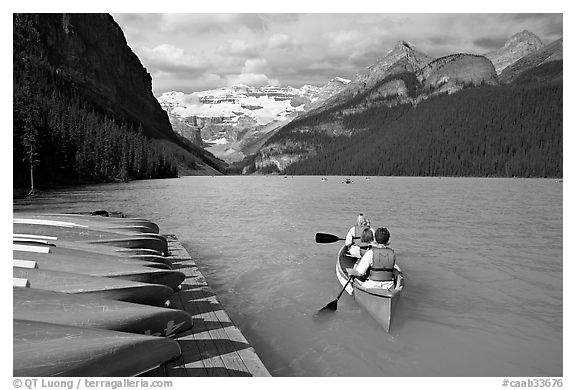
{"points": [[354, 237], [378, 263], [366, 240]]}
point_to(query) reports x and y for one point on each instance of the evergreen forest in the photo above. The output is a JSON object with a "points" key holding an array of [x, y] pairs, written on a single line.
{"points": [[504, 131], [59, 138]]}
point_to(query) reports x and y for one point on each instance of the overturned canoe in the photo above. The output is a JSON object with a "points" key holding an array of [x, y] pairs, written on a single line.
{"points": [[85, 311], [70, 232], [96, 230], [101, 267], [35, 239], [380, 303], [126, 224], [41, 248], [106, 288], [42, 349]]}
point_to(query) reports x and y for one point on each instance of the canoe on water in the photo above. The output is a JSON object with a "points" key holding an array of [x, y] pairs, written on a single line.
{"points": [[129, 224], [42, 349], [155, 261], [70, 232], [84, 311], [106, 288], [380, 303], [35, 239], [101, 267]]}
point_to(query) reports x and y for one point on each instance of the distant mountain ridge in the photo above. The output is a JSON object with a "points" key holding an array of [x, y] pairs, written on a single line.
{"points": [[229, 122], [553, 52], [403, 77], [403, 57], [518, 46]]}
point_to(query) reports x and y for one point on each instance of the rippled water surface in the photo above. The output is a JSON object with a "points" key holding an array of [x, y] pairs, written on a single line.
{"points": [[482, 260]]}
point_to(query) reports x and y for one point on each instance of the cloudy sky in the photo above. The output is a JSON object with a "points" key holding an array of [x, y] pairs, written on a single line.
{"points": [[194, 52]]}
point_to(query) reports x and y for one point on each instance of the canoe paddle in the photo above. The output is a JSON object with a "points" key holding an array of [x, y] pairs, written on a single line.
{"points": [[333, 306], [326, 238]]}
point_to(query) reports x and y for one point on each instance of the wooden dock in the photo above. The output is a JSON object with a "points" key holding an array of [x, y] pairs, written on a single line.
{"points": [[214, 346]]}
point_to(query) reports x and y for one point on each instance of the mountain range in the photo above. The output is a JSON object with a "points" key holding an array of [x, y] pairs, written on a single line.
{"points": [[406, 76], [233, 122], [84, 112], [269, 128]]}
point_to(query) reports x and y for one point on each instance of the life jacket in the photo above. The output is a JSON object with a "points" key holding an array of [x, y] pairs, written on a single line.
{"points": [[382, 268]]}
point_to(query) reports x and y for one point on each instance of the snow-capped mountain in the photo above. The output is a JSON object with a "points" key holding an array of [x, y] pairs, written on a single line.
{"points": [[229, 120]]}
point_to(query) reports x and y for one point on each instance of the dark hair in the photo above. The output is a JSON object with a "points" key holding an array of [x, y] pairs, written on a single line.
{"points": [[367, 235], [382, 235]]}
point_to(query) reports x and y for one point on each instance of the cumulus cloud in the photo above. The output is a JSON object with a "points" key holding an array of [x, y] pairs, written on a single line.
{"points": [[252, 79], [255, 65], [163, 82], [238, 47], [209, 23], [281, 18], [194, 52], [490, 43], [168, 58], [282, 42], [341, 39]]}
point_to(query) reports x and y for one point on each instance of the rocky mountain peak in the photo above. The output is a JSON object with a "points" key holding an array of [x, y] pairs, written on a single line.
{"points": [[403, 57], [523, 37], [518, 46], [553, 52], [403, 45]]}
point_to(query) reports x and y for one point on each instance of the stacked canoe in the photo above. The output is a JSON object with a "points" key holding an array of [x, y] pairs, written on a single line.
{"points": [[90, 296]]}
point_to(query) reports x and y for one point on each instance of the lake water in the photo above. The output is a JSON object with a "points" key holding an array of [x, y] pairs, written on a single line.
{"points": [[482, 260]]}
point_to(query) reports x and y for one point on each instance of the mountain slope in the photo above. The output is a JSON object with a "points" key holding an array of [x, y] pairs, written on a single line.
{"points": [[90, 51], [544, 57], [518, 46], [451, 73], [403, 57], [403, 76], [513, 130], [84, 109]]}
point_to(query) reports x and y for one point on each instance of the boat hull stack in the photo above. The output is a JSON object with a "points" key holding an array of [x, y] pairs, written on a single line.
{"points": [[90, 295]]}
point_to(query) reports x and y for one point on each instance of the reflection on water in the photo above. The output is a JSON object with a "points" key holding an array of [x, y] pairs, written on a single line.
{"points": [[482, 260]]}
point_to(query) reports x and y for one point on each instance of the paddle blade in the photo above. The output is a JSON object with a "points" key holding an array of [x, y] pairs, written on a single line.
{"points": [[325, 238], [332, 306]]}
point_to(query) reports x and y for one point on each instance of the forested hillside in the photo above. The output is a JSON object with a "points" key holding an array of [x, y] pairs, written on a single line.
{"points": [[513, 130], [69, 120]]}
